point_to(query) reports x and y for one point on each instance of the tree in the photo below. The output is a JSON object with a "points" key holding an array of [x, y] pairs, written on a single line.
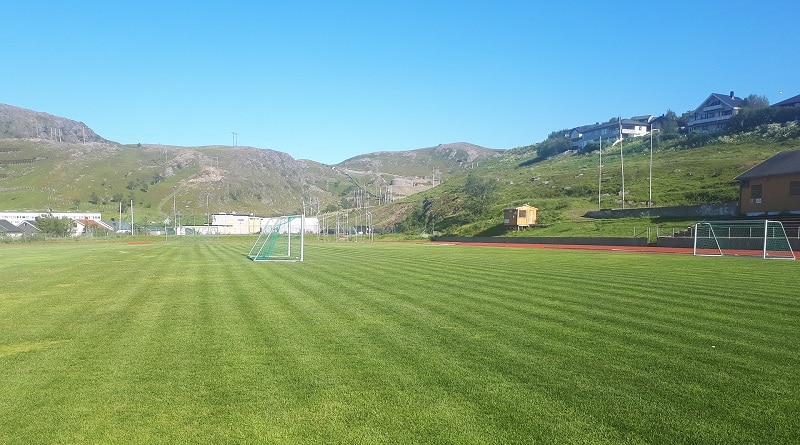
{"points": [[754, 101], [553, 146], [669, 126], [480, 193], [55, 226]]}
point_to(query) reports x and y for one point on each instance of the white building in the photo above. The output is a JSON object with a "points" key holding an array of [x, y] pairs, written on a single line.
{"points": [[18, 218], [609, 132], [235, 224]]}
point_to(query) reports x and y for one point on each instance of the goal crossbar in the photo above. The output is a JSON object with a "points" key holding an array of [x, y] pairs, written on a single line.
{"points": [[759, 238]]}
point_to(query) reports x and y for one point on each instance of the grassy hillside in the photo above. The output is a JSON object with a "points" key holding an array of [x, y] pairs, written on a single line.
{"points": [[98, 177], [564, 188], [36, 175], [443, 161]]}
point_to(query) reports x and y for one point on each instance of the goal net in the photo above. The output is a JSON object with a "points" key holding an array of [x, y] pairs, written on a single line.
{"points": [[280, 239], [759, 238]]}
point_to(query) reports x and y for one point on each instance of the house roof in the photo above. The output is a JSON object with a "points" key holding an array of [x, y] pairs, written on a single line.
{"points": [[94, 223], [646, 118], [609, 124], [728, 99], [524, 206], [788, 102], [783, 163], [29, 228], [7, 227], [734, 102]]}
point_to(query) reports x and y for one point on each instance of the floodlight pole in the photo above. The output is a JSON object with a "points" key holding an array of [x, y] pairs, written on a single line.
{"points": [[650, 201], [600, 175], [621, 163]]}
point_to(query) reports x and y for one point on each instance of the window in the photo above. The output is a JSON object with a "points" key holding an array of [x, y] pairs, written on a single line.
{"points": [[755, 191], [522, 213], [794, 188]]}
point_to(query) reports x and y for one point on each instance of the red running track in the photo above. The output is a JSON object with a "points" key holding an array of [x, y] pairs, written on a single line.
{"points": [[637, 249], [640, 249]]}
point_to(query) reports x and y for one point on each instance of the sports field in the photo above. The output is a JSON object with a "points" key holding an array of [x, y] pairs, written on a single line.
{"points": [[187, 341]]}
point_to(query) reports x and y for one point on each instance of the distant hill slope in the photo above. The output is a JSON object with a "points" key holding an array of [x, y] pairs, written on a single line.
{"points": [[161, 180], [16, 122], [412, 171], [445, 159]]}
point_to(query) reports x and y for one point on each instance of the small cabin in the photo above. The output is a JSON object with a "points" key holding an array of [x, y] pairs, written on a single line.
{"points": [[519, 217]]}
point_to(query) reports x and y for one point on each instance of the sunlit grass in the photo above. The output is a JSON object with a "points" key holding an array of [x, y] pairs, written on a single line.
{"points": [[188, 341]]}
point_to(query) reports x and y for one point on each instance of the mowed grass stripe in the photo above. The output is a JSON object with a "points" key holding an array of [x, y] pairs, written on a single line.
{"points": [[397, 343], [490, 285], [648, 327], [638, 296], [356, 347], [431, 356]]}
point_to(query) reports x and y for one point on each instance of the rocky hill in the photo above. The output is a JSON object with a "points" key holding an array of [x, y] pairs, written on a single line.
{"points": [[16, 122], [53, 162]]}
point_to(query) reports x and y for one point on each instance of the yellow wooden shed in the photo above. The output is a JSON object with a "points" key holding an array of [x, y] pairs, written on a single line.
{"points": [[520, 217]]}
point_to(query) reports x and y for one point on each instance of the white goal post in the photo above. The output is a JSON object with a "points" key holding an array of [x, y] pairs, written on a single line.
{"points": [[281, 238], [759, 238]]}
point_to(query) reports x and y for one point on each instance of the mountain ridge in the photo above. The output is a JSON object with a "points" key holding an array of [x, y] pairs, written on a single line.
{"points": [[48, 161]]}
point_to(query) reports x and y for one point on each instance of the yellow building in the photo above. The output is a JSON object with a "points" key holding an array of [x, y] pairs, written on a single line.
{"points": [[520, 217]]}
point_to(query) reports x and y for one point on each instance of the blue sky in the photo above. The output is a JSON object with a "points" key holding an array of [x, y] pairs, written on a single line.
{"points": [[328, 80]]}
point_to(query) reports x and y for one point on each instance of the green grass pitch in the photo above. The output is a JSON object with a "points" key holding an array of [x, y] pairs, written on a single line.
{"points": [[187, 341]]}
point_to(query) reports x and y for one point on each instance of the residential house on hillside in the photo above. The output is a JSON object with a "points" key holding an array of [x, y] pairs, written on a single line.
{"points": [[609, 131], [713, 113], [790, 102], [771, 187]]}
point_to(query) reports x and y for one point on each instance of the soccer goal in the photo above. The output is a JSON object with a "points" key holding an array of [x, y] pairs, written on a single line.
{"points": [[280, 239], [759, 238]]}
